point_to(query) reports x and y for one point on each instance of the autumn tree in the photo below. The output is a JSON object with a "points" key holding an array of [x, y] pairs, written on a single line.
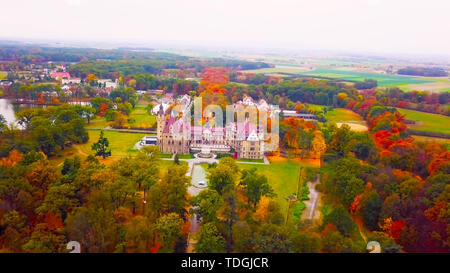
{"points": [[318, 145]]}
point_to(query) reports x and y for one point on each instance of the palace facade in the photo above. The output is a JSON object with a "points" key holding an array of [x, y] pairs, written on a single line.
{"points": [[175, 134]]}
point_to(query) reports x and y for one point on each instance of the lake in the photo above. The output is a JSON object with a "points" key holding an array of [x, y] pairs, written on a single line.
{"points": [[8, 109]]}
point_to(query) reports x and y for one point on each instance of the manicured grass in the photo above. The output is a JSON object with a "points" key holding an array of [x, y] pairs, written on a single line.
{"points": [[165, 155], [186, 156], [3, 75], [343, 115], [250, 160], [97, 122], [165, 164], [283, 178], [121, 144], [427, 122], [316, 107], [140, 118]]}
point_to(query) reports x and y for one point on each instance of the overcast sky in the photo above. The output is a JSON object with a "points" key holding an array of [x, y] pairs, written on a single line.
{"points": [[410, 26]]}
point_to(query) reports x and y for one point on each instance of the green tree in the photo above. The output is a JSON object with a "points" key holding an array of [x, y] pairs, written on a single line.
{"points": [[255, 186], [348, 187], [341, 219], [101, 147], [139, 235], [210, 240], [60, 199], [371, 211], [305, 242], [169, 231], [206, 204], [222, 178], [2, 123], [342, 140]]}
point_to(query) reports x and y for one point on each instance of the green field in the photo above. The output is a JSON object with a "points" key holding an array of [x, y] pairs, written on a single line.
{"points": [[3, 75], [383, 79], [407, 83], [283, 178], [140, 118], [343, 115], [427, 122], [443, 141], [277, 71], [316, 107], [97, 123], [121, 144]]}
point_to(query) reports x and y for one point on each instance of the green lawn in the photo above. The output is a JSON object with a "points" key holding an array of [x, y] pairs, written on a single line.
{"points": [[121, 144], [427, 122], [3, 75], [250, 160], [343, 115], [316, 107], [186, 156], [98, 122], [140, 118], [165, 155], [282, 176]]}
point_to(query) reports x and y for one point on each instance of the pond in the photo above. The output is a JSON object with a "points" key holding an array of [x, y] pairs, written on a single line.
{"points": [[8, 109]]}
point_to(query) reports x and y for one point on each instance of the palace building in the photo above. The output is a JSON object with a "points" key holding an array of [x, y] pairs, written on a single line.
{"points": [[175, 134]]}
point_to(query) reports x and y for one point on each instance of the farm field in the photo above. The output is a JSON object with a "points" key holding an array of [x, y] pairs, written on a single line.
{"points": [[439, 140], [277, 70], [407, 83], [438, 84], [283, 178], [427, 122], [343, 115], [383, 79]]}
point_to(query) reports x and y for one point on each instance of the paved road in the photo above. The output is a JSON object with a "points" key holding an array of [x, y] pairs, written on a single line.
{"points": [[311, 204]]}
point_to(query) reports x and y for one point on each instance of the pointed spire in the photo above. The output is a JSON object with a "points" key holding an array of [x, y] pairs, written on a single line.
{"points": [[161, 110]]}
